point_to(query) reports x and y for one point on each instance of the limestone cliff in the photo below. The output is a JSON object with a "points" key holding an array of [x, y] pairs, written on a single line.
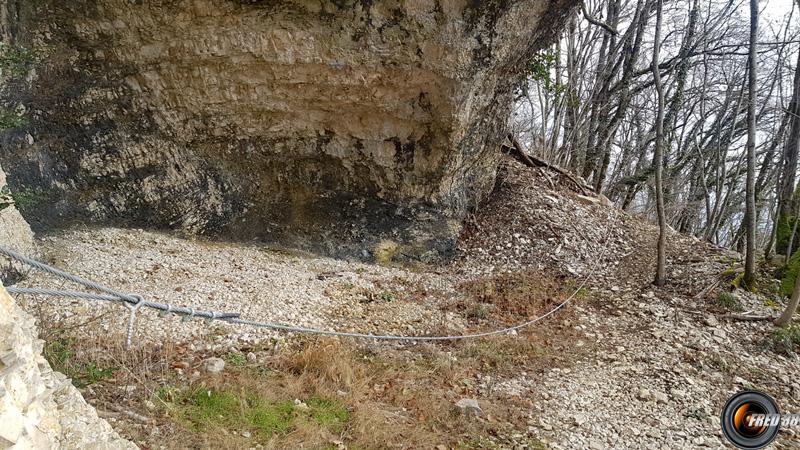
{"points": [[329, 125], [40, 408], [15, 233]]}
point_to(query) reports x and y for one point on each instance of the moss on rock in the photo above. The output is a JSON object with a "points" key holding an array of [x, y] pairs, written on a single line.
{"points": [[789, 274]]}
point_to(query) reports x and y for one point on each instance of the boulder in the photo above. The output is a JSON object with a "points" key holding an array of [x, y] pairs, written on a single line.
{"points": [[214, 365], [15, 233], [469, 406], [40, 408]]}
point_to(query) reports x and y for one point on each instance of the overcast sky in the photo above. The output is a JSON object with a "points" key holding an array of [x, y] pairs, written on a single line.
{"points": [[774, 9]]}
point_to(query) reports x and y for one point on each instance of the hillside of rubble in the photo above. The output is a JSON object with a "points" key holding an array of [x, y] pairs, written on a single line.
{"points": [[616, 344]]}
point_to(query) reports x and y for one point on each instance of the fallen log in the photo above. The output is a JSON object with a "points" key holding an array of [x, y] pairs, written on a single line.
{"points": [[747, 318]]}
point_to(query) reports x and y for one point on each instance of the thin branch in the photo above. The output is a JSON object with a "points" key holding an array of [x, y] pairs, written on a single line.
{"points": [[596, 22]]}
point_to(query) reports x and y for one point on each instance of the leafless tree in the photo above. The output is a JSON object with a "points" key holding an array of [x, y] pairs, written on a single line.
{"points": [[658, 161], [750, 214]]}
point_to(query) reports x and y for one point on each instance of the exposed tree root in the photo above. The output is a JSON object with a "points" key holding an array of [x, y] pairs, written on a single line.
{"points": [[516, 150]]}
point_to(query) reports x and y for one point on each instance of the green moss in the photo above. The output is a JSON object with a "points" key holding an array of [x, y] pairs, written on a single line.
{"points": [[730, 272], [207, 407], [271, 418], [203, 408], [783, 232], [328, 413], [789, 274], [783, 228]]}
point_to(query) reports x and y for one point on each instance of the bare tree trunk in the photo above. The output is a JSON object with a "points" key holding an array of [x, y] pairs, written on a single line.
{"points": [[786, 318], [791, 148], [660, 278], [791, 243], [789, 167], [750, 202]]}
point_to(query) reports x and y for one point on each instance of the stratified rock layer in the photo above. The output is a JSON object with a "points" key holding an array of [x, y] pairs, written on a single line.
{"points": [[329, 125]]}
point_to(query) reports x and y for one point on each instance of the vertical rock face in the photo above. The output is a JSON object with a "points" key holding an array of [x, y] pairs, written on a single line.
{"points": [[15, 233], [39, 408], [330, 125]]}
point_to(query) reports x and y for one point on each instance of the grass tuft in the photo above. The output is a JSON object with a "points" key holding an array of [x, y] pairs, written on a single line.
{"points": [[235, 359], [202, 409], [728, 300], [328, 413], [207, 407], [478, 312], [59, 353]]}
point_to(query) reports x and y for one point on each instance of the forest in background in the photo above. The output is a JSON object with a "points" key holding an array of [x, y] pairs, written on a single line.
{"points": [[637, 87], [590, 106], [686, 112]]}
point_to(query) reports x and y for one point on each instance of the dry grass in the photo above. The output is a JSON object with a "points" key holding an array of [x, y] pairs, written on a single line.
{"points": [[361, 398], [354, 394], [509, 297]]}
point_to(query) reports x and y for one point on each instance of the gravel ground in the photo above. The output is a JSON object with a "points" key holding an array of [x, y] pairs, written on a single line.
{"points": [[259, 283], [659, 379], [654, 366]]}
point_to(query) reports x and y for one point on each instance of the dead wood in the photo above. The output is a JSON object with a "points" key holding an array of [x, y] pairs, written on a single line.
{"points": [[523, 157]]}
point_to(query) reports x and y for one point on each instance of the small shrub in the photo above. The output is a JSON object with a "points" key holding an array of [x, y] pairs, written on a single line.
{"points": [[771, 303], [15, 60], [370, 296], [785, 340], [729, 301], [29, 197], [168, 394], [478, 312], [90, 373], [58, 352], [6, 199], [60, 356], [385, 251], [386, 296], [10, 120]]}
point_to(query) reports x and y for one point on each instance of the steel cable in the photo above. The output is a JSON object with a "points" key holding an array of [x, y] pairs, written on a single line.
{"points": [[133, 302]]}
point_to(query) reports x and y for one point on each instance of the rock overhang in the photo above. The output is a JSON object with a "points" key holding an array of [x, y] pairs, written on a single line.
{"points": [[330, 126]]}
